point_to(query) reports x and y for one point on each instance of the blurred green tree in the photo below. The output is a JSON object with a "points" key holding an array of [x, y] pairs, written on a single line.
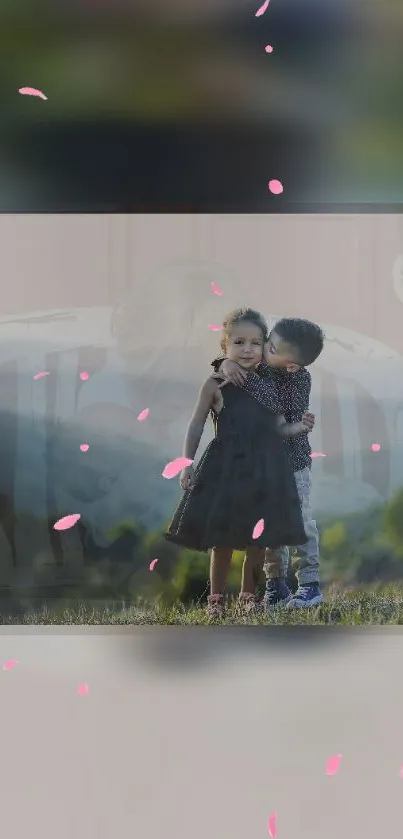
{"points": [[393, 522]]}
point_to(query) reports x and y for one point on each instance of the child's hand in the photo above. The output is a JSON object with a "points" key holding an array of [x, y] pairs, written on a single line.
{"points": [[187, 477], [308, 421], [234, 373]]}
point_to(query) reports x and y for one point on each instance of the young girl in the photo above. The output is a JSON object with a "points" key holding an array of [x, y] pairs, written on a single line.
{"points": [[242, 477]]}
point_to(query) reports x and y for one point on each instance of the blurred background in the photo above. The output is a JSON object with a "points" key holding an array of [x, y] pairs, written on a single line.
{"points": [[174, 105]]}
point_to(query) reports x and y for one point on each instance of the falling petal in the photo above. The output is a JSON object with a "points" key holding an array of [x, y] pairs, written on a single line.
{"points": [[317, 454], [67, 521], [216, 290], [175, 466], [213, 328], [144, 414], [153, 564], [333, 765], [269, 48], [8, 665], [272, 825], [32, 91], [258, 529], [275, 187], [262, 9], [375, 447], [401, 771], [83, 689], [84, 447], [84, 376], [41, 375]]}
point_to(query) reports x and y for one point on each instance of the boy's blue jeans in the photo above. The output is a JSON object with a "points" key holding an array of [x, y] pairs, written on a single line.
{"points": [[276, 562]]}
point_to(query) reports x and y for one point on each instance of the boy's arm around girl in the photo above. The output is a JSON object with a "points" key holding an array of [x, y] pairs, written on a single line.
{"points": [[264, 388], [210, 397]]}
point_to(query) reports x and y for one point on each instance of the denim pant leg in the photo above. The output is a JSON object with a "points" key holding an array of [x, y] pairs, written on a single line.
{"points": [[276, 563], [308, 554]]}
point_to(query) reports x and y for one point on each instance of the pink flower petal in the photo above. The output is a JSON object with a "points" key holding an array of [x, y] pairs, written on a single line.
{"points": [[272, 825], [216, 290], [41, 375], [153, 564], [67, 521], [175, 466], [84, 376], [213, 328], [262, 9], [84, 447], [32, 91], [258, 529], [401, 771], [333, 765], [269, 48], [83, 689], [275, 187], [144, 414], [375, 447], [8, 665], [317, 454]]}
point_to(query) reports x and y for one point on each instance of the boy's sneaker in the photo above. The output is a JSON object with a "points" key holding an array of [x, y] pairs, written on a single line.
{"points": [[306, 596], [277, 593]]}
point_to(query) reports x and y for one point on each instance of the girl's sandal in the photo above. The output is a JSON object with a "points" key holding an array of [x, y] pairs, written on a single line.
{"points": [[215, 606], [248, 604]]}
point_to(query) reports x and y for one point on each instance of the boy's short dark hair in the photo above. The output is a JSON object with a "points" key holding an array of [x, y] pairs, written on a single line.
{"points": [[305, 338]]}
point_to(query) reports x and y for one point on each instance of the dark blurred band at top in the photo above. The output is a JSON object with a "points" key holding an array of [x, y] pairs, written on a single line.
{"points": [[174, 106]]}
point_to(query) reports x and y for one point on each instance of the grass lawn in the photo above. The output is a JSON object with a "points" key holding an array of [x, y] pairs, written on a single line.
{"points": [[349, 608]]}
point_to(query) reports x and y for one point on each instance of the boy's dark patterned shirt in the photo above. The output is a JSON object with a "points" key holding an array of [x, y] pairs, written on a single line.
{"points": [[283, 393]]}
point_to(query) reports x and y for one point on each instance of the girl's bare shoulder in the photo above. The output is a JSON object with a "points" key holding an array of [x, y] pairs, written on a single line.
{"points": [[212, 383]]}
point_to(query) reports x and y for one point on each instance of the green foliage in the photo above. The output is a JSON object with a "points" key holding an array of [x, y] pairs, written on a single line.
{"points": [[135, 529], [335, 537], [364, 548], [234, 577], [393, 522], [190, 575]]}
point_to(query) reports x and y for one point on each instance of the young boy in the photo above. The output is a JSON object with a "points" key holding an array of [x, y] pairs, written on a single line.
{"points": [[283, 380]]}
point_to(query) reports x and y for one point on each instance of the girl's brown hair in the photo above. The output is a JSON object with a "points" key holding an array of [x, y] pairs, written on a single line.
{"points": [[240, 316]]}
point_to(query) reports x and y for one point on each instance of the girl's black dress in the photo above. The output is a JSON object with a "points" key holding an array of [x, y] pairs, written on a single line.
{"points": [[243, 476]]}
